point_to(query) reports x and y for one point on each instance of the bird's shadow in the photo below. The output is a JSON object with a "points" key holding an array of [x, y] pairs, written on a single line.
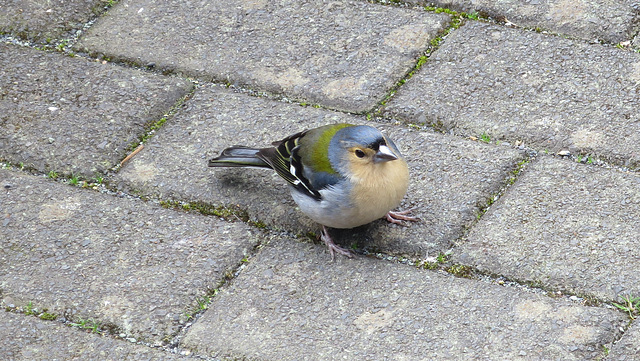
{"points": [[359, 239]]}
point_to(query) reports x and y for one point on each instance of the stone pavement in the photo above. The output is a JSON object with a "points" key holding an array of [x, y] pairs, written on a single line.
{"points": [[519, 120]]}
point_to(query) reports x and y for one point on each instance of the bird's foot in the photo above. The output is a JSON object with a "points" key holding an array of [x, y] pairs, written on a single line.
{"points": [[397, 217], [334, 248]]}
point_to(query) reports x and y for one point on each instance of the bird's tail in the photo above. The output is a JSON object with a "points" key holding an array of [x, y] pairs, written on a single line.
{"points": [[238, 156]]}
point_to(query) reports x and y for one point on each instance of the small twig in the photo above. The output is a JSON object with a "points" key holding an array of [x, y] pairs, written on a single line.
{"points": [[135, 151]]}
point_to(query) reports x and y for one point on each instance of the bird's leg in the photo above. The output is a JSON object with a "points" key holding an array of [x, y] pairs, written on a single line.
{"points": [[333, 248], [397, 217]]}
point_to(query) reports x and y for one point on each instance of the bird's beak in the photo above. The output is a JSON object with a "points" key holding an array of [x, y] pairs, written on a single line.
{"points": [[384, 154]]}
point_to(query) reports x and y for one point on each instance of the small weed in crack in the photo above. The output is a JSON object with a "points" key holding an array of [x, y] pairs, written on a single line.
{"points": [[90, 324], [630, 304]]}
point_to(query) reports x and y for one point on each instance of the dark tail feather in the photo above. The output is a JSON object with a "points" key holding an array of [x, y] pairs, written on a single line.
{"points": [[238, 156]]}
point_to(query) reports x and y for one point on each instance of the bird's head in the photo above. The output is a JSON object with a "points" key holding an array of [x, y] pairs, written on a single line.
{"points": [[361, 146]]}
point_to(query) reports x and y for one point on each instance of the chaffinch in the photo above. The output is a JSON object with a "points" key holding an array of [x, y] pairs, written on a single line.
{"points": [[340, 175]]}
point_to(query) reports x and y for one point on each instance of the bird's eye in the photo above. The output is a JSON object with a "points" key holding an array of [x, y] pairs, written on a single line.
{"points": [[359, 153]]}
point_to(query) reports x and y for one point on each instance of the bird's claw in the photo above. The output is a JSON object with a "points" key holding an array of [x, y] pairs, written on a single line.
{"points": [[398, 217], [332, 247]]}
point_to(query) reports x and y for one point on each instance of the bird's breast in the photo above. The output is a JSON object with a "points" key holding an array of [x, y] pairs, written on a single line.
{"points": [[379, 189]]}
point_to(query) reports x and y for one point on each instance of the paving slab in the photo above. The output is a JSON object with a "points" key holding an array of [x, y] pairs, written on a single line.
{"points": [[86, 255], [451, 178], [25, 338], [563, 225], [550, 92], [46, 20], [609, 20], [628, 347], [342, 54], [291, 304], [74, 116]]}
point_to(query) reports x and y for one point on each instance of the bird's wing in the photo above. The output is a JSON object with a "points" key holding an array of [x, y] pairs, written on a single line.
{"points": [[285, 160]]}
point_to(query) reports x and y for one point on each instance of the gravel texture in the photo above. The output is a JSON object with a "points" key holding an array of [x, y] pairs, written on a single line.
{"points": [[609, 20], [74, 116], [26, 338], [342, 54], [552, 93], [141, 270], [563, 225], [628, 347], [291, 304], [451, 178], [46, 20], [136, 266]]}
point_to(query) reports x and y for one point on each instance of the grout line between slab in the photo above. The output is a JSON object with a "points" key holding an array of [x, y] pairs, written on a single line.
{"points": [[231, 275]]}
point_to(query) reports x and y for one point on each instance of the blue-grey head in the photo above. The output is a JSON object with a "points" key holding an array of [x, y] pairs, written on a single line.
{"points": [[361, 144]]}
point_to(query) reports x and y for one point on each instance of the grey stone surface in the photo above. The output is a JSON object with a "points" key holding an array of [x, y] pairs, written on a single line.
{"points": [[291, 304], [565, 225], [41, 20], [342, 54], [83, 254], [550, 92], [139, 269], [74, 116], [25, 338], [608, 20], [450, 177], [628, 347]]}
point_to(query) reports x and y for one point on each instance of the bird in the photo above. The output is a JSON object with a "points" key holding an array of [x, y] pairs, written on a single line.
{"points": [[340, 175]]}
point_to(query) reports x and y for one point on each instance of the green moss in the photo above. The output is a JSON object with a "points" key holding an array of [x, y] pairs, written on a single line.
{"points": [[460, 271], [48, 316], [429, 265], [535, 284], [455, 14], [228, 213], [258, 224], [438, 126], [151, 129], [421, 61], [516, 171], [30, 310], [591, 301]]}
